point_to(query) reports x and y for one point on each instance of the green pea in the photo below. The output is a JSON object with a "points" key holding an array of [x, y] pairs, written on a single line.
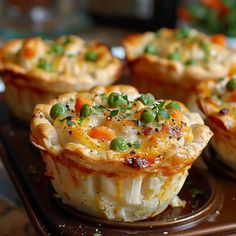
{"points": [[57, 109], [118, 144], [231, 85], [175, 56], [190, 62], [45, 65], [91, 56], [183, 33], [86, 110], [57, 49], [150, 49], [148, 116], [115, 100], [147, 99]]}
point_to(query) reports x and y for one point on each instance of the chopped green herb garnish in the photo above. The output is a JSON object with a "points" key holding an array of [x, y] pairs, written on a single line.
{"points": [[70, 122], [164, 114], [99, 108], [45, 65], [80, 121], [128, 114], [138, 122], [136, 144], [114, 113]]}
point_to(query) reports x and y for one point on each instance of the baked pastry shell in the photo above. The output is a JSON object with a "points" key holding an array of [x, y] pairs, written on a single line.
{"points": [[107, 186], [167, 78], [223, 126], [35, 86]]}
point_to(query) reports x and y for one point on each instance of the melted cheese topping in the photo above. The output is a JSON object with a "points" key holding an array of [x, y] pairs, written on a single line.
{"points": [[218, 102], [144, 140], [67, 55], [191, 45]]}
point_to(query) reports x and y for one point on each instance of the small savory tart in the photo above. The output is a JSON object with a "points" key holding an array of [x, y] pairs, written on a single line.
{"points": [[36, 70], [115, 153], [217, 100], [171, 62]]}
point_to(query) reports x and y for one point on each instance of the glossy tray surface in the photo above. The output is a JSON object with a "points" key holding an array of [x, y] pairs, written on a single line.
{"points": [[210, 209]]}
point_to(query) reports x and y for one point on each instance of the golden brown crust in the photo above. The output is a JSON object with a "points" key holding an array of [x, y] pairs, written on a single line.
{"points": [[74, 148], [66, 68], [217, 101], [212, 62]]}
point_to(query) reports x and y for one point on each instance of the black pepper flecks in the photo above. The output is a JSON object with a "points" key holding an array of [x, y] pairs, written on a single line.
{"points": [[223, 111]]}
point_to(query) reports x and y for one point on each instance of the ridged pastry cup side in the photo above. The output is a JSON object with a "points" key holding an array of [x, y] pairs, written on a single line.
{"points": [[223, 141], [162, 90], [113, 197], [21, 98]]}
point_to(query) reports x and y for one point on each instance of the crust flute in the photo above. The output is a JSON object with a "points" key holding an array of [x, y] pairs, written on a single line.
{"points": [[35, 70], [115, 153]]}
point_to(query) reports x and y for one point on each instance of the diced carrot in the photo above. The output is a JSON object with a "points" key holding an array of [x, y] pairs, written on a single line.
{"points": [[29, 52], [175, 114], [219, 39], [80, 101], [233, 96], [102, 133]]}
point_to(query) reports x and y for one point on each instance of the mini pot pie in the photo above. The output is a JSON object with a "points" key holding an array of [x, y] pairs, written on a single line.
{"points": [[35, 70], [171, 62], [115, 153], [217, 100]]}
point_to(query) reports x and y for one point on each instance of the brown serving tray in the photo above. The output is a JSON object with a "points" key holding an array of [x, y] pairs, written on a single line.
{"points": [[210, 195]]}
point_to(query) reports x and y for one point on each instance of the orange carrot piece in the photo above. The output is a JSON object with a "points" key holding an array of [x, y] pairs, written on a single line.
{"points": [[102, 133], [219, 39], [80, 101], [233, 96], [175, 114], [29, 52]]}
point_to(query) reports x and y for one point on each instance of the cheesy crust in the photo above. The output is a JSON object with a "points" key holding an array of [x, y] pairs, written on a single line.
{"points": [[50, 67], [217, 100], [176, 58], [116, 144]]}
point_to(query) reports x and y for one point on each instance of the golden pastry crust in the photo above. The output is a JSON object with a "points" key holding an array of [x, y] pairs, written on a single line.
{"points": [[161, 150], [217, 100], [179, 58], [48, 68]]}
